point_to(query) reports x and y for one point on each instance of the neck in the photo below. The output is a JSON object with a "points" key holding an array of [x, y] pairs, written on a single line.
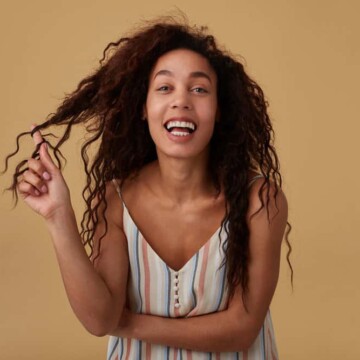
{"points": [[181, 181]]}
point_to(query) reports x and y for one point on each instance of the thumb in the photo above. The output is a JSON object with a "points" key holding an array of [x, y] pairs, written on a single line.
{"points": [[46, 158]]}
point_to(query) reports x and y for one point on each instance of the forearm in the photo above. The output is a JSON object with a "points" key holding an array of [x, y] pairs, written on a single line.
{"points": [[216, 332], [88, 294]]}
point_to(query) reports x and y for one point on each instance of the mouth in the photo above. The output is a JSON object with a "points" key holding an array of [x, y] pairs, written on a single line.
{"points": [[180, 127]]}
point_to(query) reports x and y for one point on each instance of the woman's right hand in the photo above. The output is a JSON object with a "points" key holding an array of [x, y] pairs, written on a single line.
{"points": [[42, 186]]}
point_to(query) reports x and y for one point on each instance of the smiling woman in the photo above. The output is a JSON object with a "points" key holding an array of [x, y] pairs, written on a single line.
{"points": [[185, 212], [182, 99]]}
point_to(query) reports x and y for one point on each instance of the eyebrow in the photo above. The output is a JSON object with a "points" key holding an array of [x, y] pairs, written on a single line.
{"points": [[194, 74]]}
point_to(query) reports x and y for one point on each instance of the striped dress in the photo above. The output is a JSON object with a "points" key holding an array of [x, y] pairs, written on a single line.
{"points": [[198, 288]]}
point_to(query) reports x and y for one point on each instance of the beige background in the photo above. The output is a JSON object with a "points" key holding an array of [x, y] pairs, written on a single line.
{"points": [[305, 54]]}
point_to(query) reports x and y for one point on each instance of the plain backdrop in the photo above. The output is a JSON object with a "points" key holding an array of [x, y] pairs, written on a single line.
{"points": [[304, 54]]}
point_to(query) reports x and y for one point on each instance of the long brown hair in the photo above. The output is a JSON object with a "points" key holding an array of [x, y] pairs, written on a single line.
{"points": [[109, 103]]}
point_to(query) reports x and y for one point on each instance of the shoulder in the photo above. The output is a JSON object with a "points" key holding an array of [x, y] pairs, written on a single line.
{"points": [[137, 187], [267, 198], [114, 206]]}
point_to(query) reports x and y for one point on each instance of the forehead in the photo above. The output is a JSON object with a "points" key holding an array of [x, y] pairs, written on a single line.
{"points": [[183, 62]]}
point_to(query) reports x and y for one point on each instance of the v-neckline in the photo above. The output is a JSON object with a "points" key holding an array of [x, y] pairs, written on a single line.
{"points": [[158, 256]]}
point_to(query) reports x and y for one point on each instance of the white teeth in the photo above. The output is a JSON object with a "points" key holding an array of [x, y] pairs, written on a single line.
{"points": [[179, 133], [182, 124]]}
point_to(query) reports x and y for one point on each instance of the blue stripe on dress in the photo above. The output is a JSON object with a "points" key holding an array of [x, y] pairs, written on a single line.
{"points": [[138, 280], [262, 343], [193, 280], [167, 301], [122, 348], [222, 284], [113, 349], [167, 289], [138, 244], [139, 348]]}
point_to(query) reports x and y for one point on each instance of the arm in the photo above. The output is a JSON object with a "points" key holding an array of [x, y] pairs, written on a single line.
{"points": [[96, 292], [233, 329]]}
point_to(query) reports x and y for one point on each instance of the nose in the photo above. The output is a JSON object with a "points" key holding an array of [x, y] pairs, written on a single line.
{"points": [[181, 100]]}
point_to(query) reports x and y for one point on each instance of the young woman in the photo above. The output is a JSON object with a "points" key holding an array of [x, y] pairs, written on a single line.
{"points": [[185, 213]]}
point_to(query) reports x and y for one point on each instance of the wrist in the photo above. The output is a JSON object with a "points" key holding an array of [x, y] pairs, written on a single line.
{"points": [[63, 216], [134, 326]]}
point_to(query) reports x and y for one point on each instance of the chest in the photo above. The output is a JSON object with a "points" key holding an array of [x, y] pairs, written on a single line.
{"points": [[156, 286], [176, 235]]}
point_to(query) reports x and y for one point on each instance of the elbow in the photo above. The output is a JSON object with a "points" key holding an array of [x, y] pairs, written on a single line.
{"points": [[245, 338], [97, 328], [246, 343], [97, 331], [101, 326]]}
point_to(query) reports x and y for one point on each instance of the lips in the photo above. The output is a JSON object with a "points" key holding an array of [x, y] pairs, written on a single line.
{"points": [[180, 124]]}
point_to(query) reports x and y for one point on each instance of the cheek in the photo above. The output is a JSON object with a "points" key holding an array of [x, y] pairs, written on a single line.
{"points": [[154, 108], [208, 111]]}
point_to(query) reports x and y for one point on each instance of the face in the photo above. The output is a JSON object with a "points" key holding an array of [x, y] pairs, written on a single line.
{"points": [[181, 104]]}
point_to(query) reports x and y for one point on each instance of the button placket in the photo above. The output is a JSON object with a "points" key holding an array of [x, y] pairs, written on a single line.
{"points": [[176, 290]]}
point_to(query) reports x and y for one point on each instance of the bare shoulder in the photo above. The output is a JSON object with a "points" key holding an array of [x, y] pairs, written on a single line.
{"points": [[109, 237], [273, 198], [139, 185], [114, 207]]}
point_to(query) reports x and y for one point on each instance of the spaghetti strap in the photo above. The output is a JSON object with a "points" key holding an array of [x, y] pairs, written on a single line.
{"points": [[117, 187], [254, 178]]}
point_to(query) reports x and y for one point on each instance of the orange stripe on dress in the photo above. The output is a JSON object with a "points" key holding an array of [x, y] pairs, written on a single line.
{"points": [[188, 355], [148, 351], [128, 346], [245, 355], [175, 353], [202, 278], [146, 275], [147, 289]]}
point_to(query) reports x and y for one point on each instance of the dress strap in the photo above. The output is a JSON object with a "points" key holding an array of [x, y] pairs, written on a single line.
{"points": [[254, 178], [117, 187]]}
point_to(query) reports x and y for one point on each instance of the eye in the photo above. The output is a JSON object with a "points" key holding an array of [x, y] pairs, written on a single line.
{"points": [[163, 88], [200, 90]]}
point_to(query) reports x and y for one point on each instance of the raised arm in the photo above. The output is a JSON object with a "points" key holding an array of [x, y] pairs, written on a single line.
{"points": [[233, 329], [96, 292]]}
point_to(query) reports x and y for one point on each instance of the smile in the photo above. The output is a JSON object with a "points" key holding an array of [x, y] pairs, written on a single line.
{"points": [[180, 128]]}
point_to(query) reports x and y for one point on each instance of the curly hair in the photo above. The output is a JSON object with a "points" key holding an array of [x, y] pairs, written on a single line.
{"points": [[110, 101]]}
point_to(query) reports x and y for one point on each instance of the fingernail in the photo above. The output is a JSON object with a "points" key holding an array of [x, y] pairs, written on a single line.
{"points": [[44, 189], [46, 175]]}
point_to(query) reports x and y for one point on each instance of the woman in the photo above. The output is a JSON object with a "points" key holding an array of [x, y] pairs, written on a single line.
{"points": [[185, 213]]}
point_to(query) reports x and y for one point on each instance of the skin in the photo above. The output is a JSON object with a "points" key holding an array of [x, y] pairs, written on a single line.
{"points": [[179, 187]]}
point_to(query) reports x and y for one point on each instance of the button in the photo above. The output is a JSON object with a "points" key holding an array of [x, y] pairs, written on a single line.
{"points": [[176, 297], [176, 288], [177, 305], [176, 281]]}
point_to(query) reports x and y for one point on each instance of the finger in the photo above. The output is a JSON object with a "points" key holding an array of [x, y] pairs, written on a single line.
{"points": [[34, 180], [37, 167], [26, 189], [47, 160], [37, 135]]}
